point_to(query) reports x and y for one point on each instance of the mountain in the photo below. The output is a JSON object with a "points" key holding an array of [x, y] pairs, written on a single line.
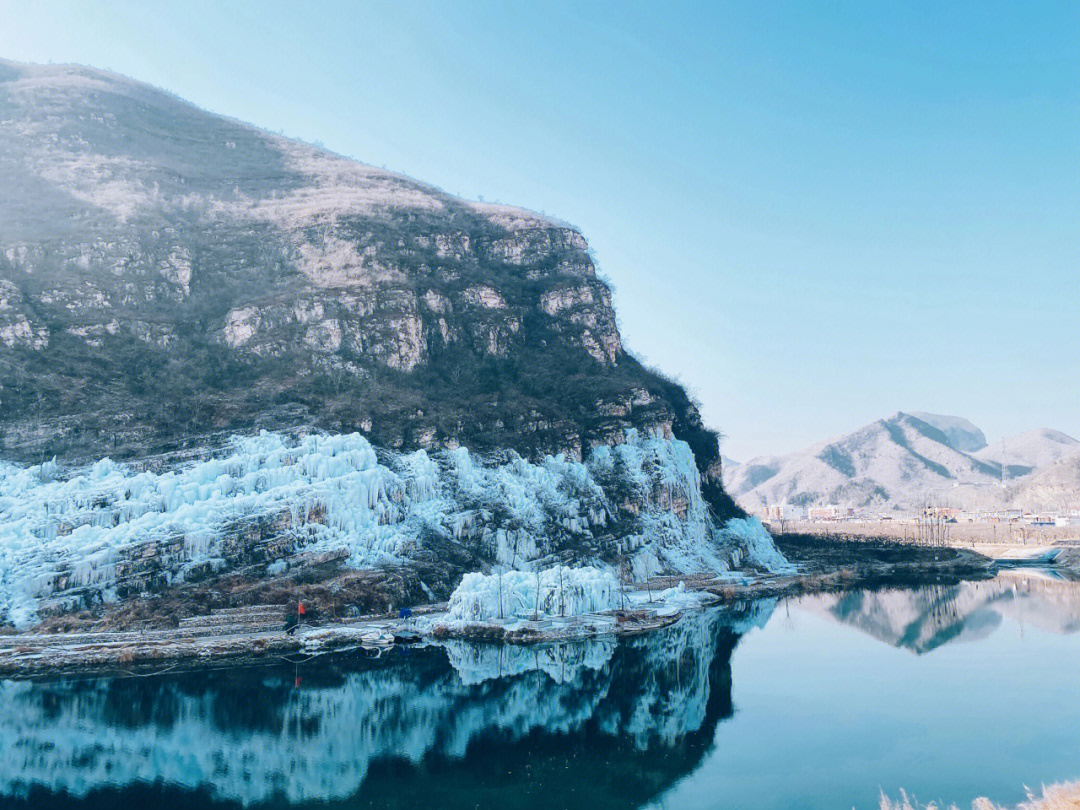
{"points": [[960, 434], [1055, 487], [1032, 450], [442, 380], [168, 273], [729, 465], [907, 461], [902, 460]]}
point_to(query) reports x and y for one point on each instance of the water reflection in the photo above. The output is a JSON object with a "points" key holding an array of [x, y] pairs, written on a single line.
{"points": [[604, 724], [468, 724], [923, 619]]}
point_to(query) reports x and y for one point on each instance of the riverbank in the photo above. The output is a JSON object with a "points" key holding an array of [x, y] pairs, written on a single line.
{"points": [[853, 542], [115, 641]]}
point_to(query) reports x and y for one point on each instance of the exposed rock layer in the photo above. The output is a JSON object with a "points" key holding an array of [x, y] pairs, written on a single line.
{"points": [[166, 274]]}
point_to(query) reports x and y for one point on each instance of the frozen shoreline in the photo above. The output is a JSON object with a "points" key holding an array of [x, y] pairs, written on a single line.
{"points": [[40, 654], [43, 654]]}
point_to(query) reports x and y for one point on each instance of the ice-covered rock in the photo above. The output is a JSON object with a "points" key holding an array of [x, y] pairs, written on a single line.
{"points": [[755, 545], [557, 591], [679, 598], [111, 529]]}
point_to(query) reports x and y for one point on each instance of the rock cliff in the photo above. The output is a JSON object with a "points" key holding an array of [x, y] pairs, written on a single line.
{"points": [[170, 278], [167, 274]]}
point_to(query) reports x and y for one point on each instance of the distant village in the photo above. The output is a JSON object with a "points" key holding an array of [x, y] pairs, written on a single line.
{"points": [[778, 515], [944, 524]]}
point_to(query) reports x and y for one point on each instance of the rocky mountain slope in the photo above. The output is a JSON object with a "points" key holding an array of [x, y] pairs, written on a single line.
{"points": [[167, 273], [171, 278], [903, 462], [1053, 487]]}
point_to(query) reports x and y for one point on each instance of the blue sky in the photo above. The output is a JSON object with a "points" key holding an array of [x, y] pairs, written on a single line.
{"points": [[813, 214]]}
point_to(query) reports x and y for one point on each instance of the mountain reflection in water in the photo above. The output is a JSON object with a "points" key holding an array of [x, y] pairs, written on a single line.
{"points": [[643, 722], [922, 619], [449, 727]]}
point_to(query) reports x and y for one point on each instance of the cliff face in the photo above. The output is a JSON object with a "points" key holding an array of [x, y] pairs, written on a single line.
{"points": [[167, 275], [442, 379]]}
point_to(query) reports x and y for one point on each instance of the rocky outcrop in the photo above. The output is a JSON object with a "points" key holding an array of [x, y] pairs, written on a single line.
{"points": [[167, 274], [171, 278]]}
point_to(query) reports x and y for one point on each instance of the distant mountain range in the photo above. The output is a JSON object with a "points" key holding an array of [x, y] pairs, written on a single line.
{"points": [[911, 459]]}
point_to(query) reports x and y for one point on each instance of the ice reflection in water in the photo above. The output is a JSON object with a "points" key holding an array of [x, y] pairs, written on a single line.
{"points": [[479, 718], [642, 722]]}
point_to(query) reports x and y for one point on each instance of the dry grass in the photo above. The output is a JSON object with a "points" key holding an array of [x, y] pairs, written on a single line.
{"points": [[328, 592], [1063, 796]]}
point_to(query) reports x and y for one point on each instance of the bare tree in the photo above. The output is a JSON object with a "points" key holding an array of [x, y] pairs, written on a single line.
{"points": [[624, 575], [536, 606], [500, 592], [562, 601], [932, 527]]}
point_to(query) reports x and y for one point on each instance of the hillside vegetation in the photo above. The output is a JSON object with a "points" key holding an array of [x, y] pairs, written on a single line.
{"points": [[169, 276]]}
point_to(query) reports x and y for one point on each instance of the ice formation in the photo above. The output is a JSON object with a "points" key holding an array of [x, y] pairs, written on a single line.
{"points": [[676, 599], [562, 662], [550, 592], [110, 529], [753, 544]]}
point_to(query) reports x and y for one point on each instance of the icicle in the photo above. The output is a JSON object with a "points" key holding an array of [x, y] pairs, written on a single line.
{"points": [[334, 493]]}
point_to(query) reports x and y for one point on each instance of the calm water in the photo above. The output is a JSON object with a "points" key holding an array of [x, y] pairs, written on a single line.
{"points": [[950, 692]]}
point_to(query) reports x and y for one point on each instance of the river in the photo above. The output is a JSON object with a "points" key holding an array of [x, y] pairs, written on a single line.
{"points": [[950, 692]]}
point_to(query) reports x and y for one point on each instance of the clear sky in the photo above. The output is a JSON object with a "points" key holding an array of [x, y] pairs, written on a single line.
{"points": [[813, 214]]}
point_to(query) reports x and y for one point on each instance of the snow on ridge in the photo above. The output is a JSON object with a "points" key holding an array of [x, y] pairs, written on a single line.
{"points": [[76, 533]]}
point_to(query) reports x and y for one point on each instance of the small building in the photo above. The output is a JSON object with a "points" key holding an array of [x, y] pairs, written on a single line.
{"points": [[830, 512], [783, 511]]}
